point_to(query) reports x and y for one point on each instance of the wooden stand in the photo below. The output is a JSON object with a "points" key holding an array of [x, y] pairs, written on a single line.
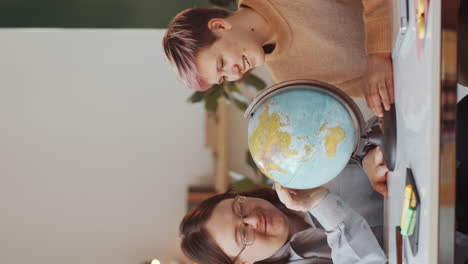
{"points": [[217, 140]]}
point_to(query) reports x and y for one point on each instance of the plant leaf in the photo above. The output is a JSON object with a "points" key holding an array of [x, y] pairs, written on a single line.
{"points": [[211, 105], [241, 105], [196, 97], [213, 89], [233, 87], [211, 99], [254, 81]]}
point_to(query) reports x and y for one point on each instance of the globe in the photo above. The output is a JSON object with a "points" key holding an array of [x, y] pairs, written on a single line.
{"points": [[302, 134]]}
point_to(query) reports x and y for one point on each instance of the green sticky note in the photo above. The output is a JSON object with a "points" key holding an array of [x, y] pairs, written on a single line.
{"points": [[409, 222]]}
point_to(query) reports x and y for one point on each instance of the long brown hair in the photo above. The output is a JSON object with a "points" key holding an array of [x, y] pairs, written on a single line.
{"points": [[198, 245]]}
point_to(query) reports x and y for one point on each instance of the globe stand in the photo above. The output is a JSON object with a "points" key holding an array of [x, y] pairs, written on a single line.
{"points": [[384, 134]]}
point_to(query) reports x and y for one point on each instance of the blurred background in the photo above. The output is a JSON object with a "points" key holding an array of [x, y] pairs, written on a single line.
{"points": [[102, 149], [94, 14]]}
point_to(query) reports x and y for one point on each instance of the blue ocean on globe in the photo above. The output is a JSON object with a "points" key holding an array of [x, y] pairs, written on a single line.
{"points": [[301, 138]]}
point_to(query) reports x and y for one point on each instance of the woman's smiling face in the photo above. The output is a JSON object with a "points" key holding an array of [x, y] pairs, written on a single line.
{"points": [[270, 225], [234, 53]]}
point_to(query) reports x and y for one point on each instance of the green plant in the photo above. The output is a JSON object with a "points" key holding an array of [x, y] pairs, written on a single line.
{"points": [[230, 91]]}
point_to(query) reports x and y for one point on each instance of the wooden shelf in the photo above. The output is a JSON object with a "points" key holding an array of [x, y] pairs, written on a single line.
{"points": [[217, 140]]}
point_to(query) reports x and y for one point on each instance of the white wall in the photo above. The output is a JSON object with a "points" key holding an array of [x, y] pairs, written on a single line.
{"points": [[97, 146]]}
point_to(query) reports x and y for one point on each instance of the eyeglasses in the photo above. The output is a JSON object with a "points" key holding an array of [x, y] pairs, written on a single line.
{"points": [[245, 231]]}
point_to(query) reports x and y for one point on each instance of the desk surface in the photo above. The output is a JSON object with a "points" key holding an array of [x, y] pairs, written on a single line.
{"points": [[420, 146]]}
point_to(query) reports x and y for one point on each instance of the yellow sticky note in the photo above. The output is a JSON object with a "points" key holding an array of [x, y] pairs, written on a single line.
{"points": [[406, 202]]}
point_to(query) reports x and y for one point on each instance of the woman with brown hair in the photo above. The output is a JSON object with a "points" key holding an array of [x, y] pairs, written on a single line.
{"points": [[289, 226]]}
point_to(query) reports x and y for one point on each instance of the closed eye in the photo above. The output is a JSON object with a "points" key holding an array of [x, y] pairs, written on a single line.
{"points": [[236, 229], [223, 78]]}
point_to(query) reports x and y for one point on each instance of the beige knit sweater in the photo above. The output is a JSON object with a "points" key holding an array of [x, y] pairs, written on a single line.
{"points": [[325, 40]]}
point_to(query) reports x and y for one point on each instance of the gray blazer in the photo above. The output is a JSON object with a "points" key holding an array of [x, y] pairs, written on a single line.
{"points": [[337, 234]]}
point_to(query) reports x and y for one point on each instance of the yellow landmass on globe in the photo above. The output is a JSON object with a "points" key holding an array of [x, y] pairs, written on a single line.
{"points": [[323, 126], [337, 134], [267, 140], [308, 149]]}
